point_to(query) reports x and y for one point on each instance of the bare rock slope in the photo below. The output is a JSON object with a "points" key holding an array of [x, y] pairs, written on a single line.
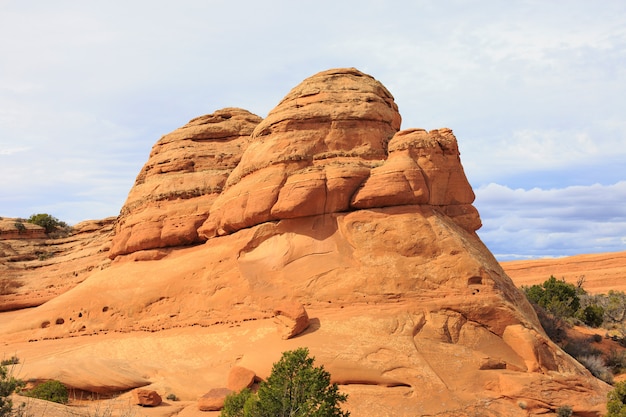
{"points": [[34, 271], [601, 272], [326, 204]]}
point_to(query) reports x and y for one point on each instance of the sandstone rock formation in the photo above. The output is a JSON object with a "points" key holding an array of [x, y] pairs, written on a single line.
{"points": [[240, 378], [369, 228], [11, 228], [602, 272], [33, 271], [292, 319], [146, 398], [213, 400], [186, 171]]}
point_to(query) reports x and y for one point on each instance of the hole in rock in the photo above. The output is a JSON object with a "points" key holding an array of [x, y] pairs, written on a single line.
{"points": [[105, 309], [59, 321], [80, 314], [475, 281], [45, 324]]}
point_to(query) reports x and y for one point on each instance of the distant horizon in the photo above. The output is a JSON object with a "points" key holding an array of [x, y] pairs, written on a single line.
{"points": [[534, 93]]}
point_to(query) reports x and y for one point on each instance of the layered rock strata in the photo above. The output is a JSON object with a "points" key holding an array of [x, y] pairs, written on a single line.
{"points": [[175, 189]]}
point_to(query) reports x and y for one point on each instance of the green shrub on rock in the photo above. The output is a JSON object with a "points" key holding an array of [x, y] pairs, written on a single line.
{"points": [[556, 296], [52, 390], [295, 388], [48, 222]]}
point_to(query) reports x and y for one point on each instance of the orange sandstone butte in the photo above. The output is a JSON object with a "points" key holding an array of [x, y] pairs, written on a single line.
{"points": [[328, 204]]}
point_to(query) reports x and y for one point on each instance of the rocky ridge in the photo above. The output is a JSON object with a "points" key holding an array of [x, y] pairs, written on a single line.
{"points": [[325, 205], [34, 271]]}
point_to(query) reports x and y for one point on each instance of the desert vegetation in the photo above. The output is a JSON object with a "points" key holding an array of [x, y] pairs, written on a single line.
{"points": [[616, 404], [295, 388], [561, 305], [8, 385], [51, 224], [51, 390]]}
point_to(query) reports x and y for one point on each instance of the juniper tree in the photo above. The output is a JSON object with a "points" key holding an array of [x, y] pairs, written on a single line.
{"points": [[295, 388]]}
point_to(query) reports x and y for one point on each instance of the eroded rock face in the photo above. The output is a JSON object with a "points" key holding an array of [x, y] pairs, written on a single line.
{"points": [[186, 171], [34, 271], [310, 154], [331, 145], [365, 231]]}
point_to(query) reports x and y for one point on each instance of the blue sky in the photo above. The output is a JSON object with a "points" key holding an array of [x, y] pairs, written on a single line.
{"points": [[535, 92]]}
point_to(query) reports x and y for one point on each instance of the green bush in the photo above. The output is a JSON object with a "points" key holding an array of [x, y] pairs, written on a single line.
{"points": [[556, 296], [52, 390], [20, 227], [295, 388], [48, 222], [592, 315], [8, 385], [234, 404], [616, 404]]}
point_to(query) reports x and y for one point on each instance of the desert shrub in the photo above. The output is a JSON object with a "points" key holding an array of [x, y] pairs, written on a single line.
{"points": [[51, 390], [578, 347], [615, 307], [592, 315], [172, 397], [564, 411], [295, 388], [8, 385], [48, 222], [616, 404], [556, 296], [595, 364], [13, 360], [20, 227], [234, 404], [616, 361]]}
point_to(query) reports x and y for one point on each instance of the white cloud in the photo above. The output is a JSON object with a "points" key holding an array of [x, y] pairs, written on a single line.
{"points": [[552, 222], [547, 158]]}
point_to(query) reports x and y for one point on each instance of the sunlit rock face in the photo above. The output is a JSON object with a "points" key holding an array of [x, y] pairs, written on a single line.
{"points": [[366, 230], [175, 189]]}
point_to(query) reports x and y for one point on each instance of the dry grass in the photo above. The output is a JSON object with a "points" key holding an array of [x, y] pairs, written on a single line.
{"points": [[78, 408]]}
